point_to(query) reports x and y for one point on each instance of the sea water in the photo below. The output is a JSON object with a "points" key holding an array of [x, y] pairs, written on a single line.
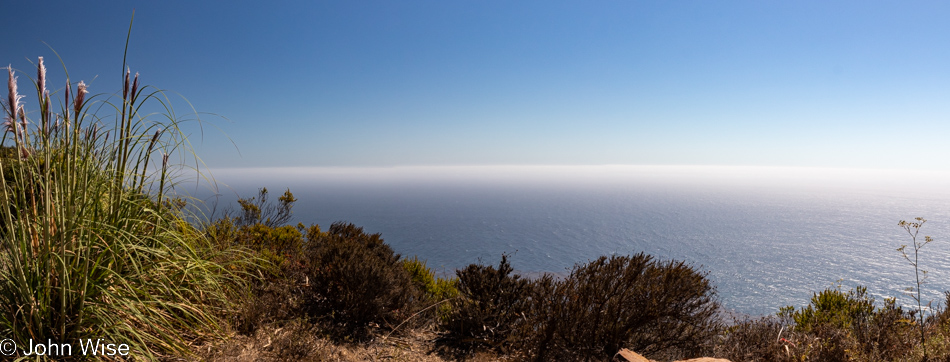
{"points": [[767, 237]]}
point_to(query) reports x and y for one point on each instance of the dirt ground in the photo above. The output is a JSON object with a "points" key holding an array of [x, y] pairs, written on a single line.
{"points": [[297, 343]]}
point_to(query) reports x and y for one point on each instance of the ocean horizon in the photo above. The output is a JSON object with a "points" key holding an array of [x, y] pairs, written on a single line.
{"points": [[767, 236]]}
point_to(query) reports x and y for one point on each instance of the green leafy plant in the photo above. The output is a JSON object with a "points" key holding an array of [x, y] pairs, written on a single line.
{"points": [[490, 310], [356, 282], [258, 210], [760, 339], [832, 317], [434, 290], [277, 295], [840, 325], [261, 227], [634, 301], [833, 307]]}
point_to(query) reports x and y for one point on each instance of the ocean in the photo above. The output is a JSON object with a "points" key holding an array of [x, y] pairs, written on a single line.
{"points": [[767, 237]]}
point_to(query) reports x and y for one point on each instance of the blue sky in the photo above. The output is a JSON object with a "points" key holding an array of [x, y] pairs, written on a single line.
{"points": [[847, 84]]}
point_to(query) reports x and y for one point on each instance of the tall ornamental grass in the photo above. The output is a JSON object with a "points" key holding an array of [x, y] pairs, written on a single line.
{"points": [[91, 245]]}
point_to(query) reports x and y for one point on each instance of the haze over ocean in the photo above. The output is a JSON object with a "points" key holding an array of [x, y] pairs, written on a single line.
{"points": [[768, 236], [390, 114]]}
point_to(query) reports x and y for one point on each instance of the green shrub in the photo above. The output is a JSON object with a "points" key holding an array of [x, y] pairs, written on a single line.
{"points": [[257, 210], [275, 298], [761, 339], [434, 290], [420, 274], [275, 244], [444, 289], [223, 232], [889, 335], [833, 317], [835, 308], [259, 227], [610, 303], [357, 281], [278, 279], [489, 311], [618, 302], [846, 326]]}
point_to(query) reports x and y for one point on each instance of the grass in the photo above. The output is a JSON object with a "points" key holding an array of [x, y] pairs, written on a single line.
{"points": [[91, 244]]}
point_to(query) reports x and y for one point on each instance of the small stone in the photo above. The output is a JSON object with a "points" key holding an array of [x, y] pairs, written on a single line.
{"points": [[626, 355]]}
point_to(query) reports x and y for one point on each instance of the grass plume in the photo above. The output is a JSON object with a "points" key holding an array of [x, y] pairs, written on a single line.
{"points": [[88, 246]]}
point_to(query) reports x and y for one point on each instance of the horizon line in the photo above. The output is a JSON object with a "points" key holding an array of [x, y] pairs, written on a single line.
{"points": [[552, 166]]}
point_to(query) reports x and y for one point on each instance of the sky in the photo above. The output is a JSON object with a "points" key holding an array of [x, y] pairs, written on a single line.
{"points": [[844, 84]]}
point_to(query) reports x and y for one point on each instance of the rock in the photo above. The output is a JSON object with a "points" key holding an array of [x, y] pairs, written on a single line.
{"points": [[626, 355]]}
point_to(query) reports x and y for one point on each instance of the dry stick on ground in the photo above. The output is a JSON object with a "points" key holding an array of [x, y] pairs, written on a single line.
{"points": [[414, 315]]}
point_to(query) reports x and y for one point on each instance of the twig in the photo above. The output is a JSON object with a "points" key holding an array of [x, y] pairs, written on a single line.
{"points": [[414, 315]]}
